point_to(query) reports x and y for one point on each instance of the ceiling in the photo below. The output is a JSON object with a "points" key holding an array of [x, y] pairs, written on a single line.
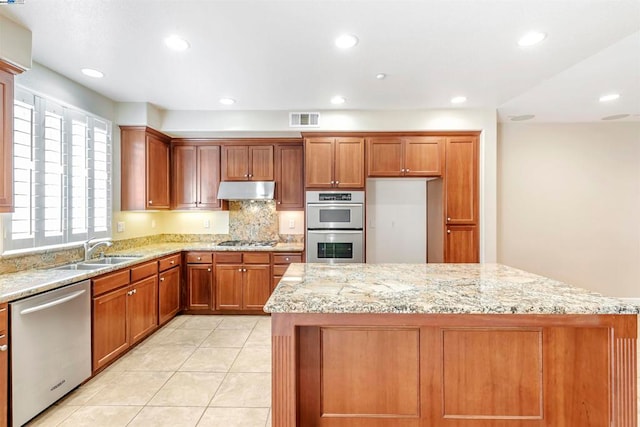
{"points": [[280, 55]]}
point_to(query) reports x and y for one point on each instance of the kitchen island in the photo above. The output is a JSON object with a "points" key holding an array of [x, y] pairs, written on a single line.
{"points": [[448, 345]]}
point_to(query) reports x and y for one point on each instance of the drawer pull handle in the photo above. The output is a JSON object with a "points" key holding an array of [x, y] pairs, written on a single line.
{"points": [[4, 347], [3, 336], [162, 279]]}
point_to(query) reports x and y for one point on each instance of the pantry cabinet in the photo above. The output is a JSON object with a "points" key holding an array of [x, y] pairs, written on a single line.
{"points": [[195, 177], [461, 180], [289, 177], [247, 162], [144, 169], [334, 162], [414, 156]]}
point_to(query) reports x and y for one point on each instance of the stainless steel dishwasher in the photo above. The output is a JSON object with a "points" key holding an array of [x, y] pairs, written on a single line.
{"points": [[50, 348]]}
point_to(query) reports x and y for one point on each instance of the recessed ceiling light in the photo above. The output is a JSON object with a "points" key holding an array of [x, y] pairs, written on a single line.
{"points": [[346, 41], [92, 73], [531, 38], [381, 76], [458, 99], [227, 101], [609, 97], [176, 43], [521, 117], [337, 100], [616, 117]]}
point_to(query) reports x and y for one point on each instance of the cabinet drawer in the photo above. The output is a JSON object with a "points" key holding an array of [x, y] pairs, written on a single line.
{"points": [[257, 258], [110, 282], [228, 257], [168, 262], [3, 318], [286, 258], [142, 271], [278, 270], [199, 258]]}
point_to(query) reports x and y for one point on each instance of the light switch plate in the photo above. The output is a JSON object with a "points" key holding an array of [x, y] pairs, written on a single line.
{"points": [[292, 223], [120, 227]]}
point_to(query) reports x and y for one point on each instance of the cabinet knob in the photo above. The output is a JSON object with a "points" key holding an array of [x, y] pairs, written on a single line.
{"points": [[150, 202], [199, 258], [172, 262], [250, 175], [162, 279], [448, 231], [208, 269], [406, 170], [246, 175], [240, 269], [337, 182], [135, 291], [4, 347], [278, 203], [244, 269], [286, 259], [448, 219]]}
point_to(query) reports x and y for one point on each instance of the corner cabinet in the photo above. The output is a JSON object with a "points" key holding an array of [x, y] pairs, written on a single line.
{"points": [[6, 136], [247, 162], [289, 177], [195, 177], [334, 162], [144, 168]]}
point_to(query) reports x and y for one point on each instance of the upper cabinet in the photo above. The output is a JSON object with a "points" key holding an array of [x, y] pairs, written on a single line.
{"points": [[145, 168], [461, 180], [334, 162], [247, 162], [289, 177], [195, 177], [6, 138], [416, 156]]}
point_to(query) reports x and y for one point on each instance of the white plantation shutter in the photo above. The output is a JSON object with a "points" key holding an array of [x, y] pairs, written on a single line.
{"points": [[62, 175]]}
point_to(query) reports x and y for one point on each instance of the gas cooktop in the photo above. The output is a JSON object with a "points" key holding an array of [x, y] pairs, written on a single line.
{"points": [[251, 243]]}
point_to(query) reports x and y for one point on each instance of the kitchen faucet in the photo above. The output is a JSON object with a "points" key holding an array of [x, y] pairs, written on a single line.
{"points": [[90, 247]]}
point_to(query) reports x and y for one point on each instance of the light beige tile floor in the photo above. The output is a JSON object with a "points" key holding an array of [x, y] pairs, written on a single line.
{"points": [[195, 371]]}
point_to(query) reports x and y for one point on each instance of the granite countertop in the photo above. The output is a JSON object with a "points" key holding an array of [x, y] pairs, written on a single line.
{"points": [[432, 288], [14, 286]]}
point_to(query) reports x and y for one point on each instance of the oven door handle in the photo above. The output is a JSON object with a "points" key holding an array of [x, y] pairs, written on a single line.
{"points": [[335, 231], [334, 205]]}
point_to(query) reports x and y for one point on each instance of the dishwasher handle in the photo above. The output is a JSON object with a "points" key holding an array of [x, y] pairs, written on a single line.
{"points": [[52, 303]]}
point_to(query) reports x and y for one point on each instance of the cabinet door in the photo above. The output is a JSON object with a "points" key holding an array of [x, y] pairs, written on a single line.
{"points": [[157, 173], [183, 182], [6, 141], [318, 162], [110, 332], [349, 163], [199, 286], [168, 294], [261, 161], [229, 286], [208, 179], [235, 163], [423, 156], [461, 180], [289, 177], [256, 286], [461, 244], [385, 156], [4, 365], [143, 308]]}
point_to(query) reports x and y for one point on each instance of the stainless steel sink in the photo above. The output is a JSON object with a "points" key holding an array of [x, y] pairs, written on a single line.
{"points": [[110, 260], [80, 266]]}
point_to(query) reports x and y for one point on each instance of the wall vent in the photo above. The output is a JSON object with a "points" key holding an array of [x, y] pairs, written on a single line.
{"points": [[304, 120]]}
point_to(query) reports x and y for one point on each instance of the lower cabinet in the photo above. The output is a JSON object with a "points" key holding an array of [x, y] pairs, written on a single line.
{"points": [[200, 294], [461, 244], [4, 364], [280, 263], [123, 312], [169, 288], [243, 280]]}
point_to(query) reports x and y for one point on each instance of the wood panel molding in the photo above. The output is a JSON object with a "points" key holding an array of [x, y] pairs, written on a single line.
{"points": [[625, 411], [284, 379]]}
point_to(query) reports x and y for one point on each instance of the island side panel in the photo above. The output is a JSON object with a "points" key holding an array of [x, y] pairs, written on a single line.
{"points": [[531, 370]]}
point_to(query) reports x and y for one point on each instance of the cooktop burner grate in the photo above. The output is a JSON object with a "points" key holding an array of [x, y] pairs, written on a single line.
{"points": [[251, 243]]}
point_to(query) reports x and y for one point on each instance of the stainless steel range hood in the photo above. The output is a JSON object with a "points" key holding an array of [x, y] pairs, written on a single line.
{"points": [[246, 190]]}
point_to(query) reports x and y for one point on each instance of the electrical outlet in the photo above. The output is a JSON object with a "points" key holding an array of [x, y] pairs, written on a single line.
{"points": [[207, 223], [292, 223], [153, 223], [120, 227]]}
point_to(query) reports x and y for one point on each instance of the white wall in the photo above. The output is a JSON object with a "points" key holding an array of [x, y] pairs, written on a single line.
{"points": [[569, 203]]}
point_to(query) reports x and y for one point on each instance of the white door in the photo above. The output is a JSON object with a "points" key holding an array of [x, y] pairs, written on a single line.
{"points": [[396, 220]]}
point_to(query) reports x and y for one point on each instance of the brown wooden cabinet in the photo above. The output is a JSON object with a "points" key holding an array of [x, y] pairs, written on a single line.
{"points": [[145, 169], [289, 177], [417, 156], [243, 280], [200, 295], [280, 262], [461, 180], [123, 312], [334, 162], [461, 244], [4, 364], [6, 140], [169, 281], [247, 162], [195, 177]]}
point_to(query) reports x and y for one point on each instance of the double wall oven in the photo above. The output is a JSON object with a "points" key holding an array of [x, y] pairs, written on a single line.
{"points": [[335, 226]]}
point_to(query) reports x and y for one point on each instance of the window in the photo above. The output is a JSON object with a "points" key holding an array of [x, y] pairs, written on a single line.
{"points": [[62, 175]]}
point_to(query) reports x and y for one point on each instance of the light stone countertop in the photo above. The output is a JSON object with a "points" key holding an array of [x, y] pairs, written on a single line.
{"points": [[14, 286], [432, 289]]}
